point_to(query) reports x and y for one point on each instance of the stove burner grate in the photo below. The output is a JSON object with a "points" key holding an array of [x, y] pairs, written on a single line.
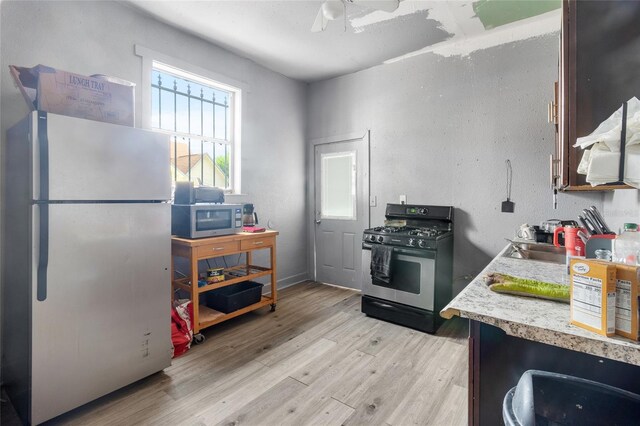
{"points": [[426, 232], [390, 229]]}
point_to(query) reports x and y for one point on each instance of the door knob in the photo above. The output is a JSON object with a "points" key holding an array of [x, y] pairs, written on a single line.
{"points": [[318, 221]]}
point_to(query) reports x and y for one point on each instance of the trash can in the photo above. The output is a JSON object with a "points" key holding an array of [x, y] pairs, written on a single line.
{"points": [[544, 398]]}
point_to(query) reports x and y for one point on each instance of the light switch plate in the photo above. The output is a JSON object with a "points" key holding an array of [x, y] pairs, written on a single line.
{"points": [[373, 201], [403, 199]]}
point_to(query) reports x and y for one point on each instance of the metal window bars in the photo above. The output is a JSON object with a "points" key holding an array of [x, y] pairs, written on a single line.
{"points": [[195, 101]]}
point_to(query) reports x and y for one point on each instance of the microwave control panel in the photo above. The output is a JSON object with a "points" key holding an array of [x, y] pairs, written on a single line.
{"points": [[238, 218]]}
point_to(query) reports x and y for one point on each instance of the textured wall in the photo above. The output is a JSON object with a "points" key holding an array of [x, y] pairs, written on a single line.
{"points": [[441, 130], [99, 37], [621, 206]]}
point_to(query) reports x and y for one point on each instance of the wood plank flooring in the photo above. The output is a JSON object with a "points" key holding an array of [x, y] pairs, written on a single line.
{"points": [[317, 360]]}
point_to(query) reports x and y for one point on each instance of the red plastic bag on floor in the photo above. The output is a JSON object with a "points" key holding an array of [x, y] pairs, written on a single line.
{"points": [[181, 329]]}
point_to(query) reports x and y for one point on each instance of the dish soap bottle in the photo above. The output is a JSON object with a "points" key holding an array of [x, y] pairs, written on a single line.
{"points": [[627, 245]]}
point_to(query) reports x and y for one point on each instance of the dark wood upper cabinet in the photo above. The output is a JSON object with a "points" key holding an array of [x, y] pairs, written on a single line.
{"points": [[599, 70]]}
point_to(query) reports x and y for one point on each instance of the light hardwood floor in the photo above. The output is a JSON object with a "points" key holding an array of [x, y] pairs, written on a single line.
{"points": [[317, 360]]}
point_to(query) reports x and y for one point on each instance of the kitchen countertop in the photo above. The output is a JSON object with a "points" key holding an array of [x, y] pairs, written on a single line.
{"points": [[535, 319]]}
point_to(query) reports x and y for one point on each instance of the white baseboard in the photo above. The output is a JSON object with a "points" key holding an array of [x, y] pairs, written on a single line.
{"points": [[293, 279], [289, 281], [341, 286]]}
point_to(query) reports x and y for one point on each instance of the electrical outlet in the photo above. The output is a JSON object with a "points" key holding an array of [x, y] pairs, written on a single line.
{"points": [[373, 201], [403, 199]]}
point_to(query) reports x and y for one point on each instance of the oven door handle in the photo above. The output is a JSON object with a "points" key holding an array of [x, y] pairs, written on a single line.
{"points": [[424, 253]]}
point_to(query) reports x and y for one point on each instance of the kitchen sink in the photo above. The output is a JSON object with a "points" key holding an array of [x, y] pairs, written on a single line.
{"points": [[535, 251]]}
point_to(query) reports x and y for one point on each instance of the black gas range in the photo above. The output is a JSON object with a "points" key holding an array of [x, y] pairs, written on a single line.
{"points": [[405, 236], [416, 244]]}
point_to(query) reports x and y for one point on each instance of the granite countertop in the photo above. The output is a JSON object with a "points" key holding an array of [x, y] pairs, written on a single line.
{"points": [[535, 319]]}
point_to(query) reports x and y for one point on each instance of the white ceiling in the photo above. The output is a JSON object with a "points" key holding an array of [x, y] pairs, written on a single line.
{"points": [[276, 34]]}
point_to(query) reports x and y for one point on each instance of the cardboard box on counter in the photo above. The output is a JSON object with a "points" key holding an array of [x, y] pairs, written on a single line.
{"points": [[593, 295], [627, 292], [99, 98], [627, 300]]}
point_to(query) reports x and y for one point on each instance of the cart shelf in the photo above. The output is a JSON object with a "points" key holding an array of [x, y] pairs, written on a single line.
{"points": [[232, 275], [209, 317], [208, 248]]}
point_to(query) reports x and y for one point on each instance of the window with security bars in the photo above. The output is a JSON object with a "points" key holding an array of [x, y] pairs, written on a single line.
{"points": [[199, 115]]}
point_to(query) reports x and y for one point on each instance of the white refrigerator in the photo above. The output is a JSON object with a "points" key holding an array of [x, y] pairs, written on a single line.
{"points": [[86, 258]]}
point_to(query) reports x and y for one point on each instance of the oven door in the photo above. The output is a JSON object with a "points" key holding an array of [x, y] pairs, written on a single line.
{"points": [[412, 277]]}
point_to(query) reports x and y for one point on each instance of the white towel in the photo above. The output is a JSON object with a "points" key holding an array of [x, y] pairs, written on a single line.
{"points": [[583, 167], [632, 166], [608, 132], [603, 166], [601, 163]]}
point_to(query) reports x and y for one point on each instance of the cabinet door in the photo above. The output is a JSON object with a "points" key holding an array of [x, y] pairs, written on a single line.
{"points": [[554, 119], [600, 56]]}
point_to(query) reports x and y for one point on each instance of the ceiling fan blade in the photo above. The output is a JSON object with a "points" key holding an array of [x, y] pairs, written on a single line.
{"points": [[333, 9], [384, 5], [320, 23], [329, 10]]}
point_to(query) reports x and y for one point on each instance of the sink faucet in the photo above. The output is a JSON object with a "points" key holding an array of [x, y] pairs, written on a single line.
{"points": [[517, 248]]}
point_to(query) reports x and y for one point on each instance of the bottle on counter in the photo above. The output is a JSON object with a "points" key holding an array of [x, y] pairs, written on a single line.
{"points": [[626, 247], [603, 254]]}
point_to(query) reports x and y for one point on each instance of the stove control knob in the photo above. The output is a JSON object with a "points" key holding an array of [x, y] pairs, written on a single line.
{"points": [[372, 237], [422, 243], [380, 238], [424, 211], [411, 242]]}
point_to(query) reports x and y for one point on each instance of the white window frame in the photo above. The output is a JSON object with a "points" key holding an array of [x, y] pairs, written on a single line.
{"points": [[151, 59]]}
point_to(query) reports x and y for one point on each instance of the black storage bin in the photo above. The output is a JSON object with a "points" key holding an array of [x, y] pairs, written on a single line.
{"points": [[237, 296], [543, 398]]}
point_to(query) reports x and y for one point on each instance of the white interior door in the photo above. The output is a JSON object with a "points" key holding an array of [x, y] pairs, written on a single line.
{"points": [[341, 210]]}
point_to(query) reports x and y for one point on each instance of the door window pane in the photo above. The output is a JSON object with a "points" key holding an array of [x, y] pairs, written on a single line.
{"points": [[338, 180]]}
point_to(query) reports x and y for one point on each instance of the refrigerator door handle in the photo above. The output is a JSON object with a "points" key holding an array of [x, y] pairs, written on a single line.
{"points": [[43, 250], [43, 157]]}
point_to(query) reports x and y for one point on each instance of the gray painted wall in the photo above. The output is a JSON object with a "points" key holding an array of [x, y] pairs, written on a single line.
{"points": [[99, 37], [620, 206], [441, 130]]}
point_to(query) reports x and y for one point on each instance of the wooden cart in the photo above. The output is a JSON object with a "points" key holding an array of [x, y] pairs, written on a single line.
{"points": [[208, 248]]}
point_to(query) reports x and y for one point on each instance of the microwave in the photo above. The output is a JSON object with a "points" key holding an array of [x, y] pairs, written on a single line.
{"points": [[205, 220]]}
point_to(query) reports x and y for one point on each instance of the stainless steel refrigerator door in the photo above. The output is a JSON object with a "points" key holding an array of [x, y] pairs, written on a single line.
{"points": [[105, 321], [90, 160]]}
